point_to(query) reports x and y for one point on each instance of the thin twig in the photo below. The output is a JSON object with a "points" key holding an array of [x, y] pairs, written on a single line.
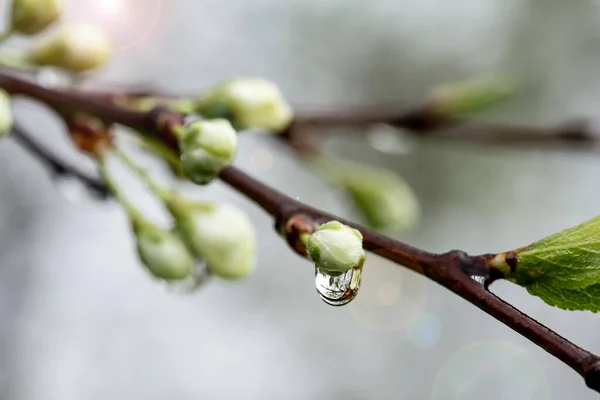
{"points": [[56, 165], [451, 270]]}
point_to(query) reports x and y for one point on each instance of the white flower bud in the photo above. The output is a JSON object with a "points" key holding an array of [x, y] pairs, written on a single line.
{"points": [[76, 47], [6, 117], [29, 17], [336, 248], [221, 234], [248, 103], [163, 253], [206, 148]]}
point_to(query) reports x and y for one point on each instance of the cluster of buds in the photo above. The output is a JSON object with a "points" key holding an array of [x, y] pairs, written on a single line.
{"points": [[74, 48], [219, 234]]}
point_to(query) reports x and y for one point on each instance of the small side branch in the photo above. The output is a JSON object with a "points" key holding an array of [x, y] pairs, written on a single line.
{"points": [[56, 165]]}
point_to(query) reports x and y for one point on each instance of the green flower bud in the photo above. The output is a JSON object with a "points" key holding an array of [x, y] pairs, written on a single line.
{"points": [[471, 96], [248, 103], [6, 117], [336, 248], [77, 48], [163, 252], [221, 234], [29, 17], [384, 198], [206, 148]]}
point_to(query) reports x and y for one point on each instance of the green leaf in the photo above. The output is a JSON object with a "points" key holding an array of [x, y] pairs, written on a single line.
{"points": [[569, 259], [568, 299]]}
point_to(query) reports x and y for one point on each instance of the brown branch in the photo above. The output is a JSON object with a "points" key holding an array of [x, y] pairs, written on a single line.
{"points": [[451, 270], [423, 121]]}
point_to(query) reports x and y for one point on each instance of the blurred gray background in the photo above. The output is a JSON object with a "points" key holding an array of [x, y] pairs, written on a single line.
{"points": [[81, 320]]}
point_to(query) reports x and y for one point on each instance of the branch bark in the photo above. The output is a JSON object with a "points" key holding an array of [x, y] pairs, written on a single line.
{"points": [[451, 270]]}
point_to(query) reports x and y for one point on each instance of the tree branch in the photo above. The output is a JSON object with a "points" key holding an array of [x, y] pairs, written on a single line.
{"points": [[423, 121], [451, 270]]}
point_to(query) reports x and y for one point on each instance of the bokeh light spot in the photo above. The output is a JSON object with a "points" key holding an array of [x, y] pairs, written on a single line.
{"points": [[388, 293], [425, 331], [390, 140], [390, 298]]}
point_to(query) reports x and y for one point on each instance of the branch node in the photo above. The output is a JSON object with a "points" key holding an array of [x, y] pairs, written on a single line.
{"points": [[292, 230]]}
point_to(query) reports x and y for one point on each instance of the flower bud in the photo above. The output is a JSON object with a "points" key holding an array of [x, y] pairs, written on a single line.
{"points": [[6, 117], [471, 96], [248, 103], [206, 148], [163, 253], [336, 248], [221, 234], [77, 48], [29, 17], [385, 200]]}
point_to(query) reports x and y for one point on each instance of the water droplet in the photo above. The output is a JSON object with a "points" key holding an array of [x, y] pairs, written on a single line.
{"points": [[388, 139], [200, 274], [79, 193], [338, 290]]}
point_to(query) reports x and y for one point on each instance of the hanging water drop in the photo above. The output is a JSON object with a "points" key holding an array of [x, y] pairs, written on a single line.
{"points": [[79, 193], [338, 290], [200, 275]]}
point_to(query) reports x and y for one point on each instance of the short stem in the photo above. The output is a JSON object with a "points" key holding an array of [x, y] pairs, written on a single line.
{"points": [[304, 238], [136, 217], [162, 193]]}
